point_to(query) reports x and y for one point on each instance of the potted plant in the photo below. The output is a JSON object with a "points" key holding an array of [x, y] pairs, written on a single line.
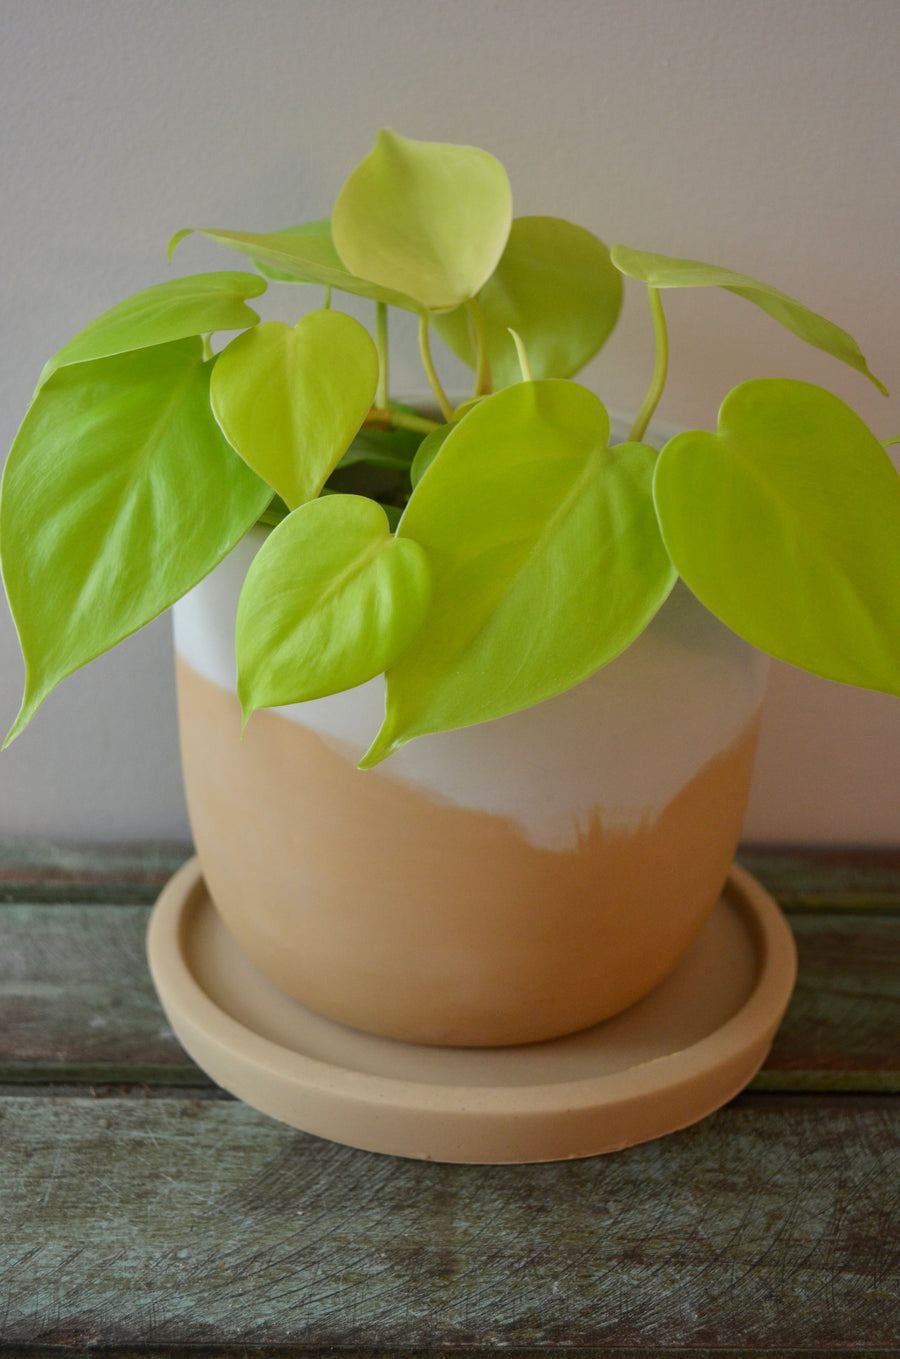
{"points": [[570, 628]]}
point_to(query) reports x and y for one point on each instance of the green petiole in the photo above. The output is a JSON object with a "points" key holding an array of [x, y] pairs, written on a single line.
{"points": [[428, 365], [660, 371]]}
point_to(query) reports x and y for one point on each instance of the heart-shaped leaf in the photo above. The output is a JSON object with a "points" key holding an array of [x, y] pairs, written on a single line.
{"points": [[662, 271], [557, 288], [426, 219], [331, 599], [119, 494], [174, 310], [546, 560], [298, 254], [290, 401], [786, 525]]}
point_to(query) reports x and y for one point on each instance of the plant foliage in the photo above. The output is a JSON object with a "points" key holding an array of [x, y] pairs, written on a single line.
{"points": [[483, 562]]}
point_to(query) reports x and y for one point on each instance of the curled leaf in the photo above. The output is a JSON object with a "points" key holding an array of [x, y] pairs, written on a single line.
{"points": [[662, 271], [298, 254]]}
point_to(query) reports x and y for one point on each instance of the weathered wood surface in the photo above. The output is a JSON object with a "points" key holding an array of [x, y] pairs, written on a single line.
{"points": [[146, 1222], [76, 1002], [41, 871], [44, 871], [827, 879], [156, 1218]]}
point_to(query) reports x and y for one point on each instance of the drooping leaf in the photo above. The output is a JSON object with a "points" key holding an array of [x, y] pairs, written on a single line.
{"points": [[662, 271], [290, 401], [546, 560], [426, 219], [557, 288], [786, 525], [331, 599], [298, 254], [174, 310], [119, 494]]}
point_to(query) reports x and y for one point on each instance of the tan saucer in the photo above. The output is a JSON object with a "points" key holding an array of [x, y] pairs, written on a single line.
{"points": [[669, 1060]]}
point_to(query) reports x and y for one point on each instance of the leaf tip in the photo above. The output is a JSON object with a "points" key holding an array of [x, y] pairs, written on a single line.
{"points": [[381, 748], [26, 712], [176, 240]]}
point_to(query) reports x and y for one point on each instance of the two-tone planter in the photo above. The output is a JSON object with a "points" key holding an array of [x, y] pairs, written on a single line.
{"points": [[498, 886]]}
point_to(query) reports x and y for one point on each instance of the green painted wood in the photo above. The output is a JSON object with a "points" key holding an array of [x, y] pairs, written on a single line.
{"points": [[143, 1223], [842, 1028], [77, 1004], [76, 1000], [798, 877], [827, 878], [43, 871], [264, 1351]]}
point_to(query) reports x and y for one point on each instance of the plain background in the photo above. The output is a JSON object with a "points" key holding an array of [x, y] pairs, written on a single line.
{"points": [[763, 135]]}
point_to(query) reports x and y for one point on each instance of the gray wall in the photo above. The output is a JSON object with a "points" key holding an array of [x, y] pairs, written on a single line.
{"points": [[760, 134]]}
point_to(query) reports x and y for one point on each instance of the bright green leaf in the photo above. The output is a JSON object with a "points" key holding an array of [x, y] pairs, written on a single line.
{"points": [[557, 288], [119, 494], [174, 310], [299, 254], [546, 560], [290, 401], [330, 600], [426, 219], [662, 271], [427, 451], [786, 525]]}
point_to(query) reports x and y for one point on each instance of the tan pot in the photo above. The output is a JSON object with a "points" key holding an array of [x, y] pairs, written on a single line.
{"points": [[504, 884]]}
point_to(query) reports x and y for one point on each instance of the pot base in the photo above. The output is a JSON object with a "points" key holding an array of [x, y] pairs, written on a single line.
{"points": [[675, 1056]]}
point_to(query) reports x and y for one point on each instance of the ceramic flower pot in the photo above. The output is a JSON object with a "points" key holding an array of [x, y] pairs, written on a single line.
{"points": [[503, 884]]}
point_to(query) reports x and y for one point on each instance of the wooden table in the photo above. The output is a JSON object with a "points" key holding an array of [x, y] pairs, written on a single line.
{"points": [[144, 1212]]}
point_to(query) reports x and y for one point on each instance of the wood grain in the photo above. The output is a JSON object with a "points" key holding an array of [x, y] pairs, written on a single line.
{"points": [[143, 1223], [38, 870], [77, 1004]]}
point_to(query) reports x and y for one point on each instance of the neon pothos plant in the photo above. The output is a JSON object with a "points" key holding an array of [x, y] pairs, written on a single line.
{"points": [[485, 561]]}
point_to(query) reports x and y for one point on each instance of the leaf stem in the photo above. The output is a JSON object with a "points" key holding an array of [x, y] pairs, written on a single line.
{"points": [[428, 365], [381, 344], [326, 305], [660, 371], [480, 344], [382, 418], [523, 355]]}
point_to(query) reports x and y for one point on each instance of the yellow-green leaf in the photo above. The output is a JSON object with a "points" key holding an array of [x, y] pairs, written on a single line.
{"points": [[546, 560], [662, 271], [786, 525], [118, 496], [174, 310], [291, 400], [330, 600], [425, 219], [298, 254], [557, 288]]}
